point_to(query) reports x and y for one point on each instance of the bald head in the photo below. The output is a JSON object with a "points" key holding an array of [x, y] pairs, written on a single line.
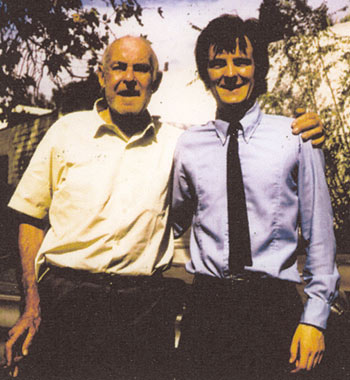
{"points": [[136, 42], [129, 75]]}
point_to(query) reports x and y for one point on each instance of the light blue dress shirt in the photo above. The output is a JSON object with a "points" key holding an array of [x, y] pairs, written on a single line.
{"points": [[285, 188]]}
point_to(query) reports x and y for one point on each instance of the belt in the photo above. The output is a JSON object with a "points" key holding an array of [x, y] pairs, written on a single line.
{"points": [[103, 278], [246, 277]]}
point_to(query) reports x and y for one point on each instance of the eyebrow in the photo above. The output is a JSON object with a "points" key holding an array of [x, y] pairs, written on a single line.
{"points": [[212, 62], [137, 65], [121, 63]]}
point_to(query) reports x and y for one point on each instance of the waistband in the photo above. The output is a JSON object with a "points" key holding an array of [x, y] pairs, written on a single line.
{"points": [[112, 279], [236, 280]]}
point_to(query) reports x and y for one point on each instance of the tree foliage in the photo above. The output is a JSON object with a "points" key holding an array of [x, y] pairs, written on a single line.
{"points": [[286, 18], [311, 67], [77, 95], [45, 36]]}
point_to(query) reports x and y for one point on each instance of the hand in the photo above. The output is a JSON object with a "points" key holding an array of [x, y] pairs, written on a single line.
{"points": [[311, 127], [307, 348], [25, 329]]}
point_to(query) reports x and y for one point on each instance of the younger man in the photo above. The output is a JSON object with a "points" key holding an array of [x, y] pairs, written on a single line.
{"points": [[246, 184]]}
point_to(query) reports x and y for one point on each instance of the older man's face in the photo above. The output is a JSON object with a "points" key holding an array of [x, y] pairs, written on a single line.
{"points": [[231, 75], [127, 76]]}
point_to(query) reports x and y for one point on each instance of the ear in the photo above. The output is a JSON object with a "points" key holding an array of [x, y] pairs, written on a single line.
{"points": [[101, 76], [157, 81]]}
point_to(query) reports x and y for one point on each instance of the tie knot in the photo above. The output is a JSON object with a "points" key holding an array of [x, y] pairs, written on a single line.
{"points": [[234, 127]]}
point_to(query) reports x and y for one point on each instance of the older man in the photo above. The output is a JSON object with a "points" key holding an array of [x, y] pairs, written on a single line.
{"points": [[246, 184], [95, 300], [93, 281]]}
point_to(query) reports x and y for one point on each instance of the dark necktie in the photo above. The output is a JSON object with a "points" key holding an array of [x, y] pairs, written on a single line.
{"points": [[239, 240]]}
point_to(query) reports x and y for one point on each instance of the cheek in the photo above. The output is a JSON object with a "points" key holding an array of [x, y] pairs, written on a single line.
{"points": [[248, 73], [146, 84], [112, 79], [214, 74]]}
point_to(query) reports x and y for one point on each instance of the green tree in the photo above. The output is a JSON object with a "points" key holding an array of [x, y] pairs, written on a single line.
{"points": [[77, 95], [44, 37], [287, 18], [311, 66]]}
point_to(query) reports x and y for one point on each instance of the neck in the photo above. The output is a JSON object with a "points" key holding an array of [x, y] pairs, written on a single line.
{"points": [[234, 112], [128, 124]]}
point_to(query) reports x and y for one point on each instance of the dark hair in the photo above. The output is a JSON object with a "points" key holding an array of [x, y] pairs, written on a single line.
{"points": [[222, 33]]}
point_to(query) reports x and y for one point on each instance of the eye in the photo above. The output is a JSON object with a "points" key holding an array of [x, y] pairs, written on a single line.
{"points": [[119, 66], [242, 62], [142, 67], [216, 63]]}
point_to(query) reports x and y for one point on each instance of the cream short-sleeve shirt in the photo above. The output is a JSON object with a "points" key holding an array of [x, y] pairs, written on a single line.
{"points": [[107, 199]]}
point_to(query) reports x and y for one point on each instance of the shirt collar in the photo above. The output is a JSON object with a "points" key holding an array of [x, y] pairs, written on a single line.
{"points": [[249, 123], [100, 126]]}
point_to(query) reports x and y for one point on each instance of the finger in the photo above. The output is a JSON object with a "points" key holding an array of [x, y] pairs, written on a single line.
{"points": [[14, 372], [14, 335], [296, 369], [299, 111], [306, 117], [318, 142], [320, 357], [8, 351], [304, 123], [28, 341], [315, 132], [293, 351], [311, 129], [17, 358], [310, 363], [316, 359], [303, 359]]}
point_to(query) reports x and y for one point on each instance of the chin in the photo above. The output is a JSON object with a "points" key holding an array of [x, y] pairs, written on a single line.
{"points": [[128, 111], [231, 103]]}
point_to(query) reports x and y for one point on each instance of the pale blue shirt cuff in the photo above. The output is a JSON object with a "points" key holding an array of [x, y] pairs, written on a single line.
{"points": [[316, 312]]}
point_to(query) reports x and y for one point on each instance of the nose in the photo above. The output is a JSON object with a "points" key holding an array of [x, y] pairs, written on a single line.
{"points": [[129, 74], [230, 69]]}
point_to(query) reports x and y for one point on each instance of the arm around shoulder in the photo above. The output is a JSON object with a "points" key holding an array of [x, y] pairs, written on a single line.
{"points": [[311, 128]]}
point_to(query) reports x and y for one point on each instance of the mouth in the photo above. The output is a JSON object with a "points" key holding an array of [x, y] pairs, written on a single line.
{"points": [[128, 93], [231, 86]]}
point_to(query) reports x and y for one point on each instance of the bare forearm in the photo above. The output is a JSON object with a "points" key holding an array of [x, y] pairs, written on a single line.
{"points": [[29, 242]]}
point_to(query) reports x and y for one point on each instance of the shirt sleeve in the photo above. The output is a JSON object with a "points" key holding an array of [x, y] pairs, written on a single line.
{"points": [[34, 191], [183, 196], [316, 216]]}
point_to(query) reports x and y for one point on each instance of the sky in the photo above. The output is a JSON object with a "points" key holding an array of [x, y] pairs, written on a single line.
{"points": [[173, 33], [173, 39]]}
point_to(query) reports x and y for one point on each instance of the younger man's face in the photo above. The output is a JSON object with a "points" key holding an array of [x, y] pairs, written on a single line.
{"points": [[231, 75]]}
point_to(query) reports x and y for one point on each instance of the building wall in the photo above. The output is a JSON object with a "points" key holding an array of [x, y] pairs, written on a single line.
{"points": [[19, 143]]}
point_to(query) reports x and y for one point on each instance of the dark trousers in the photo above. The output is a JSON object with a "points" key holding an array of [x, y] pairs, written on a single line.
{"points": [[239, 330], [94, 328]]}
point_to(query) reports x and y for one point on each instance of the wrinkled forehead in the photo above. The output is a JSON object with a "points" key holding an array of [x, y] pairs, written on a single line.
{"points": [[240, 45], [129, 49]]}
